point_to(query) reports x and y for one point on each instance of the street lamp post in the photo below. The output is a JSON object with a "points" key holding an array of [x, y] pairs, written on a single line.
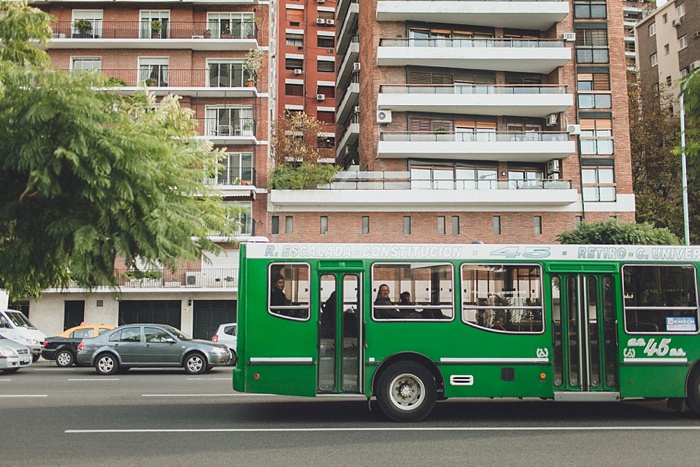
{"points": [[684, 181]]}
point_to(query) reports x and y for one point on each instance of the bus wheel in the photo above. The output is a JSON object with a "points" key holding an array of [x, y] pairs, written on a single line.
{"points": [[406, 392], [693, 398]]}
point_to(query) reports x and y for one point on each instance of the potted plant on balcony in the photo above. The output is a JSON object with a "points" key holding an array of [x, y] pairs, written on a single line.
{"points": [[252, 65], [226, 31], [83, 28], [151, 82], [207, 34], [156, 27]]}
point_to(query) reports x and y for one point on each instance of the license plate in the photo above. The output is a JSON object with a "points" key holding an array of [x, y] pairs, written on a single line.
{"points": [[26, 360]]}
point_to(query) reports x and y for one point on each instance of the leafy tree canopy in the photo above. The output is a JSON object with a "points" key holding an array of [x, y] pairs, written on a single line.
{"points": [[615, 232], [90, 178]]}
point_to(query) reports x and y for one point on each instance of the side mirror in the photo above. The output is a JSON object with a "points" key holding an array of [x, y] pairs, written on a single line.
{"points": [[170, 340]]}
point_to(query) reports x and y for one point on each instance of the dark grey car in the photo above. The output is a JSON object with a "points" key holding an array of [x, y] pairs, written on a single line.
{"points": [[150, 345]]}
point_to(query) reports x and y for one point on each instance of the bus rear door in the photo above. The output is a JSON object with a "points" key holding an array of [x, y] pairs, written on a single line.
{"points": [[340, 333], [584, 332]]}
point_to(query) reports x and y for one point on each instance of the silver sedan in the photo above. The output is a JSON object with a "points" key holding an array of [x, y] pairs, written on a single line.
{"points": [[150, 345]]}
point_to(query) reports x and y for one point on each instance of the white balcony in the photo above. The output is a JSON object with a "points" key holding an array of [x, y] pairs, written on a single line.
{"points": [[520, 147], [348, 102], [528, 56], [524, 101], [533, 15]]}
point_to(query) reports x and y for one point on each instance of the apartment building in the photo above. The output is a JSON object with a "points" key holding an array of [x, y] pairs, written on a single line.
{"points": [[668, 46], [195, 49], [305, 65], [491, 121]]}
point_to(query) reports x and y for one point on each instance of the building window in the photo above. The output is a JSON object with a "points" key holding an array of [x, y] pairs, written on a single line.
{"points": [[683, 42], [667, 49], [654, 59], [365, 225], [325, 66], [669, 81], [294, 40], [455, 225], [665, 18], [288, 225], [328, 91], [325, 142], [240, 215], [407, 225], [497, 225], [594, 101], [231, 121], [294, 89], [275, 228], [226, 74], [154, 71], [680, 10], [593, 81], [441, 225], [326, 42], [231, 25], [236, 169], [326, 116], [538, 225], [598, 184], [652, 29], [592, 46], [324, 225], [589, 10], [294, 63], [596, 136], [453, 177], [86, 63]]}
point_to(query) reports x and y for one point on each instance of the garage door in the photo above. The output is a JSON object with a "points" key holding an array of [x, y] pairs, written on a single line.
{"points": [[208, 314], [150, 311]]}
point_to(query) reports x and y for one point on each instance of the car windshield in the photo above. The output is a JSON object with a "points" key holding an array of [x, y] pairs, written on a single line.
{"points": [[18, 319], [177, 333]]}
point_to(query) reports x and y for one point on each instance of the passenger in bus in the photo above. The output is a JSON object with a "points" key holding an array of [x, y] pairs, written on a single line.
{"points": [[383, 296], [383, 300], [328, 320], [277, 296]]}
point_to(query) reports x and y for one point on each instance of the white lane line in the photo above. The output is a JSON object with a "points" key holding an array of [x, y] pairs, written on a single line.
{"points": [[93, 379], [376, 429], [24, 395]]}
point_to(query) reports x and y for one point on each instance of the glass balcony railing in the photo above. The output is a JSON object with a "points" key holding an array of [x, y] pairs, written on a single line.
{"points": [[471, 137], [100, 29], [459, 88], [471, 43], [164, 76]]}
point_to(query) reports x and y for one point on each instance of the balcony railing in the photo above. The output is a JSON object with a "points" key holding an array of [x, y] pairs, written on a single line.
{"points": [[403, 181], [195, 278], [473, 89], [234, 127], [232, 178], [470, 137], [470, 43], [169, 77], [142, 30]]}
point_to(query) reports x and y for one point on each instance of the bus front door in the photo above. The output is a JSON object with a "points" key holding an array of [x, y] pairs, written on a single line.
{"points": [[340, 334], [585, 344]]}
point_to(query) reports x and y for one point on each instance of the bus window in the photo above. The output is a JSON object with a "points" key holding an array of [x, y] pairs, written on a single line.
{"points": [[288, 286], [660, 299], [421, 291], [502, 298]]}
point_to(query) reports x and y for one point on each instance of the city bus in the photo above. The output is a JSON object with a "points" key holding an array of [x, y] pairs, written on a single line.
{"points": [[412, 324]]}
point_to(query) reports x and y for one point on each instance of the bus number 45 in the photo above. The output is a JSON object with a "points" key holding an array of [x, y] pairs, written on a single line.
{"points": [[660, 349]]}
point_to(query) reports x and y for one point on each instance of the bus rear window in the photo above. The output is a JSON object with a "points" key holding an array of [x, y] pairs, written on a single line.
{"points": [[502, 298], [288, 290], [660, 299]]}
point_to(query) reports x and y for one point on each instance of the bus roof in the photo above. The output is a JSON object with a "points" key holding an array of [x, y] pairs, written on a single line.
{"points": [[405, 251]]}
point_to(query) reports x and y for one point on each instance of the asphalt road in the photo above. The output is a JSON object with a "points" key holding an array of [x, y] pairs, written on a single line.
{"points": [[52, 416]]}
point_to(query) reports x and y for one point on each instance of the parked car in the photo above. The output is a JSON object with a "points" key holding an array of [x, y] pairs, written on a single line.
{"points": [[13, 355], [14, 325], [150, 345], [226, 334], [64, 347]]}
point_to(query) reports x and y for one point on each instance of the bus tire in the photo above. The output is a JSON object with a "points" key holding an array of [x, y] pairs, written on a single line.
{"points": [[693, 399], [406, 392]]}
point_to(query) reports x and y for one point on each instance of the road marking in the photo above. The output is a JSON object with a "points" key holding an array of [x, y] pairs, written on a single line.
{"points": [[24, 395], [93, 379], [209, 379], [339, 429]]}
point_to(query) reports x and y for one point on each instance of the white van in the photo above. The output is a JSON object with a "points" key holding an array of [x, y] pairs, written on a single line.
{"points": [[15, 326]]}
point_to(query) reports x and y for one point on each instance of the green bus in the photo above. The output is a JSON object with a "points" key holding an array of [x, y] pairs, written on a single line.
{"points": [[411, 324]]}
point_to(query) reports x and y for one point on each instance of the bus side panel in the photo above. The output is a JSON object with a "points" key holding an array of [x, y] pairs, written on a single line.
{"points": [[497, 381], [653, 381]]}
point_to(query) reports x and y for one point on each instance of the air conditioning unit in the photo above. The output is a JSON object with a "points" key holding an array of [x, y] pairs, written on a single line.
{"points": [[695, 65], [331, 51], [320, 97], [696, 34], [330, 22], [553, 176], [320, 21], [356, 67], [298, 71], [573, 129], [551, 119], [569, 37], [193, 279], [677, 22], [553, 166], [383, 116], [356, 109]]}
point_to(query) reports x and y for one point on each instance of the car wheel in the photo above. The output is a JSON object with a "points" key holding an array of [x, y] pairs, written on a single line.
{"points": [[195, 364], [11, 370], [234, 357], [106, 364], [64, 358], [693, 399], [35, 358], [406, 392]]}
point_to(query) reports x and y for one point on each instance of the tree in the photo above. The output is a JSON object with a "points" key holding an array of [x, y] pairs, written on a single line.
{"points": [[615, 232], [692, 150], [90, 178], [295, 145]]}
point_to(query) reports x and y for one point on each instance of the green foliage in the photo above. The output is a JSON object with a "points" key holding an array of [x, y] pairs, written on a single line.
{"points": [[253, 62], [19, 26], [115, 82], [615, 232], [90, 178], [305, 176]]}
